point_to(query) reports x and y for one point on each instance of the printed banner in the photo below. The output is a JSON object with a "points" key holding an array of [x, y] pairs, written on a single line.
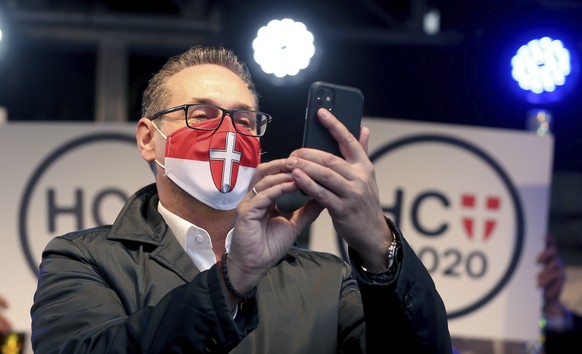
{"points": [[57, 178], [471, 201]]}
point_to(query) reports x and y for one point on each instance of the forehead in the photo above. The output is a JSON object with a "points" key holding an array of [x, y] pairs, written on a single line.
{"points": [[210, 82]]}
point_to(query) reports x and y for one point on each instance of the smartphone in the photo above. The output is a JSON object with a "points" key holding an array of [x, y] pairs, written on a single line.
{"points": [[345, 102]]}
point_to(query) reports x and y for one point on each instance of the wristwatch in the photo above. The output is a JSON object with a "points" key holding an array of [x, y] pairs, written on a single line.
{"points": [[387, 275], [392, 251]]}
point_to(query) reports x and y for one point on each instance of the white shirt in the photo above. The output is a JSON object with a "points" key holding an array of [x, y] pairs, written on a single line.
{"points": [[195, 240]]}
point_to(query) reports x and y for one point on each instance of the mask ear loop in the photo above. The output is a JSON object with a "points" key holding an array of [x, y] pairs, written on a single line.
{"points": [[161, 165], [165, 138], [159, 131]]}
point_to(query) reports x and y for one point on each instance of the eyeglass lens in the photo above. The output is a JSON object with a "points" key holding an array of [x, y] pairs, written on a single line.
{"points": [[246, 122]]}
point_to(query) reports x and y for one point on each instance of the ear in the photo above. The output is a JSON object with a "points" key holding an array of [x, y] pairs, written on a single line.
{"points": [[145, 137]]}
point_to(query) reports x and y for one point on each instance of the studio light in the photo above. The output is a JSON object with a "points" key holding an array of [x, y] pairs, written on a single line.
{"points": [[4, 33], [431, 22], [283, 48], [543, 68]]}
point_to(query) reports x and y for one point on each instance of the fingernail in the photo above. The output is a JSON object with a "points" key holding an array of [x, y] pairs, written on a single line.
{"points": [[324, 113]]}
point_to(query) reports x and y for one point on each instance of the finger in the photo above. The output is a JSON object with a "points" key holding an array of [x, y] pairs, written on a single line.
{"points": [[348, 144], [268, 168], [273, 173], [3, 303], [547, 255], [320, 175], [305, 215], [261, 200], [552, 291], [325, 168], [265, 197], [323, 192], [548, 276], [269, 181], [364, 138]]}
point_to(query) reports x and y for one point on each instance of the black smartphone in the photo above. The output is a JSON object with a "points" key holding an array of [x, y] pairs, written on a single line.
{"points": [[345, 102]]}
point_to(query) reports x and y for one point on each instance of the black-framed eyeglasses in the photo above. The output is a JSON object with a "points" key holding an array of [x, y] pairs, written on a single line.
{"points": [[246, 122]]}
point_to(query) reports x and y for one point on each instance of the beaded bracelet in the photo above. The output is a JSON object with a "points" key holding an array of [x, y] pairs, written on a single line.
{"points": [[223, 265]]}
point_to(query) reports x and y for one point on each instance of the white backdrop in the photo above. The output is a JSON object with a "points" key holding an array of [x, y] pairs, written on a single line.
{"points": [[472, 202]]}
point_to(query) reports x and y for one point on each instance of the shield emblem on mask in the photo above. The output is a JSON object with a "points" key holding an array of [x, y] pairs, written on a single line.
{"points": [[225, 158]]}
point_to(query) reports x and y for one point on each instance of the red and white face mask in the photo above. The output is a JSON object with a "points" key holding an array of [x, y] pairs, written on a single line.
{"points": [[214, 166]]}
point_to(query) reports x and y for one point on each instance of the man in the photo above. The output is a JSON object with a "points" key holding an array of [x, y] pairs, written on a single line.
{"points": [[203, 261], [563, 326]]}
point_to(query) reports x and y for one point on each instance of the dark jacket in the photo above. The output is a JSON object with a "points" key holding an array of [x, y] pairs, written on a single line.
{"points": [[567, 341], [131, 288]]}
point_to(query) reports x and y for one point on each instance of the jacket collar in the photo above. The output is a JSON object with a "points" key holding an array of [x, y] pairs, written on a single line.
{"points": [[140, 222]]}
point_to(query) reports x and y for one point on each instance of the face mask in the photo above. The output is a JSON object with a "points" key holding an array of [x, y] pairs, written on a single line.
{"points": [[214, 167]]}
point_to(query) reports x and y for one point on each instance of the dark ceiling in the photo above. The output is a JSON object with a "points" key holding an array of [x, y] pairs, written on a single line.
{"points": [[48, 70]]}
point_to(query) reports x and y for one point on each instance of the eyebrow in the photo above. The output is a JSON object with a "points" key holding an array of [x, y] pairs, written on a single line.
{"points": [[209, 101]]}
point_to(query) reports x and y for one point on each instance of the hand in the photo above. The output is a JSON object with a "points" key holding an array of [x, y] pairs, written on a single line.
{"points": [[347, 188], [262, 234], [551, 279], [5, 326]]}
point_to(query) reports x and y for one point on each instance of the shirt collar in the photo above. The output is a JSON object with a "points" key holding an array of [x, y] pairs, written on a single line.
{"points": [[195, 240]]}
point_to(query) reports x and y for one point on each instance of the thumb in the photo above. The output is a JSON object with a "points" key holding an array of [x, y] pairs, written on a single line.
{"points": [[306, 215]]}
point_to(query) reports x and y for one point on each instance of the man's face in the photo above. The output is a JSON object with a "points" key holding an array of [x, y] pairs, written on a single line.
{"points": [[205, 83]]}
